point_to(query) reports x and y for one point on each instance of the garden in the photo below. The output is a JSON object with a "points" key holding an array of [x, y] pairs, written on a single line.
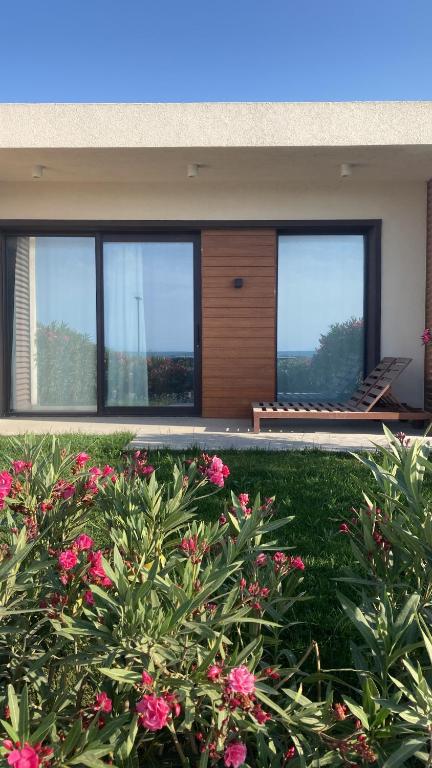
{"points": [[258, 610]]}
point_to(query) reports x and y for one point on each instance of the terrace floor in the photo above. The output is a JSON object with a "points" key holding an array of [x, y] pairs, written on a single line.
{"points": [[214, 434]]}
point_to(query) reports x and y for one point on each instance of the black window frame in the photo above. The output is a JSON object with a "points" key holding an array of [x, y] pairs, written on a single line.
{"points": [[100, 234], [181, 230]]}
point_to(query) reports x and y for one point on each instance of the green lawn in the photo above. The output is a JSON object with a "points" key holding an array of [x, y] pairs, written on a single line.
{"points": [[317, 488]]}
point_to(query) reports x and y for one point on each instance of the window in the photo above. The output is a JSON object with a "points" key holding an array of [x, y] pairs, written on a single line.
{"points": [[54, 323], [320, 318], [149, 323]]}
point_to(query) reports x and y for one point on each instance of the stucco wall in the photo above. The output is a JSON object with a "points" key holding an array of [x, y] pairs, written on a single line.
{"points": [[402, 207]]}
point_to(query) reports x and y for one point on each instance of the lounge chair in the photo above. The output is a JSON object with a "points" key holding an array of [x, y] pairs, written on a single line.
{"points": [[373, 400]]}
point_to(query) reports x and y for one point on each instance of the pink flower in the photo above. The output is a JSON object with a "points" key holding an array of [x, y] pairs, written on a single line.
{"points": [[261, 560], [426, 336], [67, 491], [260, 714], [189, 545], [27, 757], [82, 459], [235, 754], [214, 672], [147, 470], [67, 559], [103, 703], [343, 528], [290, 753], [146, 679], [89, 597], [241, 680], [107, 471], [83, 541], [6, 481], [215, 470], [243, 499], [20, 466], [154, 712], [96, 570], [297, 563]]}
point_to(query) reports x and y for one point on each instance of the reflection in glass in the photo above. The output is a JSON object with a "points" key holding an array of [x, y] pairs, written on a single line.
{"points": [[149, 323], [320, 316], [54, 323]]}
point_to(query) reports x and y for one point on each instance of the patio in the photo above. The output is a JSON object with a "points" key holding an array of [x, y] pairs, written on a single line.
{"points": [[214, 434]]}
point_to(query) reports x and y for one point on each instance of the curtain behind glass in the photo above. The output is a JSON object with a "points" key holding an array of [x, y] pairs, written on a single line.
{"points": [[125, 334], [149, 323], [54, 324]]}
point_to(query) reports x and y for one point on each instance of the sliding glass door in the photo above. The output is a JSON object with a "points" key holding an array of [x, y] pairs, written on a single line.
{"points": [[149, 325], [53, 303]]}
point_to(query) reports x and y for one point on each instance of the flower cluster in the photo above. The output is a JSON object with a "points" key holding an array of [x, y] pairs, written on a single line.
{"points": [[155, 710], [213, 468], [139, 466], [89, 562], [26, 756], [6, 481], [283, 563], [194, 548], [426, 336]]}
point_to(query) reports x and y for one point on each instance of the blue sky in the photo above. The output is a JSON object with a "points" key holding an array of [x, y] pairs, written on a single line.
{"points": [[215, 50]]}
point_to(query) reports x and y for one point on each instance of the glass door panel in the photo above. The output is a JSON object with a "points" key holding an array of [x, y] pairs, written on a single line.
{"points": [[53, 323], [320, 323], [149, 324]]}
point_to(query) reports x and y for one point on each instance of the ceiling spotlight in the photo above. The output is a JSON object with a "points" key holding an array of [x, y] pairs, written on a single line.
{"points": [[346, 170], [37, 171], [192, 170]]}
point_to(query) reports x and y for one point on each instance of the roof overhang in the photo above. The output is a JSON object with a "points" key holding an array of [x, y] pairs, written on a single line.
{"points": [[280, 124]]}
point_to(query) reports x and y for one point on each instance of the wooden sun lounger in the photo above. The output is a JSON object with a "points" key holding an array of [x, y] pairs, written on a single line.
{"points": [[372, 401]]}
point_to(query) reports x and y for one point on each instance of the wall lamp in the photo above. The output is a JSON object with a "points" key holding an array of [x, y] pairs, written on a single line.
{"points": [[37, 171], [238, 282]]}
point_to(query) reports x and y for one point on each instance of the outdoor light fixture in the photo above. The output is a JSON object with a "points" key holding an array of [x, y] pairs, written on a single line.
{"points": [[345, 170], [37, 171], [238, 282], [192, 170]]}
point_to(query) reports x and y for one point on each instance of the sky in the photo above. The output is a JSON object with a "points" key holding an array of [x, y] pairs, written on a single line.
{"points": [[215, 50]]}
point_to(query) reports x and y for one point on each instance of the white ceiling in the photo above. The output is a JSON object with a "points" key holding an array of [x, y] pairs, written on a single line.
{"points": [[281, 165]]}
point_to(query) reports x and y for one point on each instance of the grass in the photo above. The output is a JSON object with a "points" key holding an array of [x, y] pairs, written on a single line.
{"points": [[314, 487]]}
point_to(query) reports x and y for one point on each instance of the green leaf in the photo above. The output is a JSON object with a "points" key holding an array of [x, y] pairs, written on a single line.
{"points": [[407, 750], [357, 711], [23, 727], [90, 759], [13, 707], [121, 675], [44, 728]]}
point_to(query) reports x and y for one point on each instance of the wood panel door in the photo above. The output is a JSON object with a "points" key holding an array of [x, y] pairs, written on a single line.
{"points": [[238, 323]]}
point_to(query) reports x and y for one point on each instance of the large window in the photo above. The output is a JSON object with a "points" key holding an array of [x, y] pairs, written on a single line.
{"points": [[320, 320], [54, 323], [149, 323]]}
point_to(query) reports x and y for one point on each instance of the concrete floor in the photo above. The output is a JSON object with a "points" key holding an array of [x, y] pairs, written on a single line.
{"points": [[214, 434]]}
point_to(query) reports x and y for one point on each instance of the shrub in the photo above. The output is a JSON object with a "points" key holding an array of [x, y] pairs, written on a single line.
{"points": [[169, 642]]}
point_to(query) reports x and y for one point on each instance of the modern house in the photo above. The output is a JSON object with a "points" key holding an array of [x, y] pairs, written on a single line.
{"points": [[193, 258]]}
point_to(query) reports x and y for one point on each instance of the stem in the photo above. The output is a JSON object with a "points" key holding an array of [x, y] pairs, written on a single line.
{"points": [[318, 660], [183, 759]]}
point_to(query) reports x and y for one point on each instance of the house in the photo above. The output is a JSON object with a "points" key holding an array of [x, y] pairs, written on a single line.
{"points": [[192, 258]]}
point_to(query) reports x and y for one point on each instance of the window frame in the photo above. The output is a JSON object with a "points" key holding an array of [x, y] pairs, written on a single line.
{"points": [[370, 230], [134, 229], [101, 234]]}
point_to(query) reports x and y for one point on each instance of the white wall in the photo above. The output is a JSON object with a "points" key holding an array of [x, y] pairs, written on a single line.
{"points": [[401, 206]]}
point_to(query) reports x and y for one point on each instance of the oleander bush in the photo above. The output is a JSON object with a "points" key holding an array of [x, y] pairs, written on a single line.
{"points": [[169, 641]]}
